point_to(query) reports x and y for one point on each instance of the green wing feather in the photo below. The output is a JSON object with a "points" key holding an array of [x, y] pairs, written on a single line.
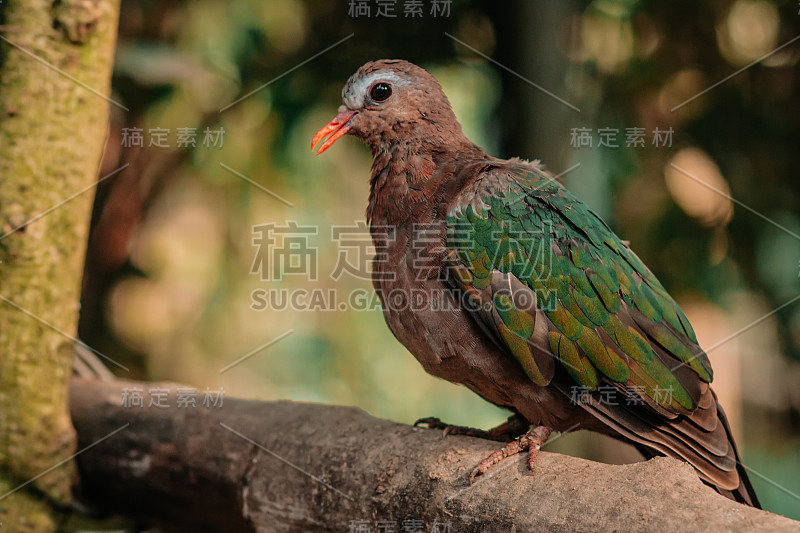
{"points": [[608, 317]]}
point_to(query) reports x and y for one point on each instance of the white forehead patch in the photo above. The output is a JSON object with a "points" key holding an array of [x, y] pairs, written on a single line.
{"points": [[353, 94]]}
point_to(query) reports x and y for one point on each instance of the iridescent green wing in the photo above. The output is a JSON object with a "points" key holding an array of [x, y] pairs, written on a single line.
{"points": [[554, 285]]}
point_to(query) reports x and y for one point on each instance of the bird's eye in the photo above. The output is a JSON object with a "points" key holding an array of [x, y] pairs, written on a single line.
{"points": [[380, 92]]}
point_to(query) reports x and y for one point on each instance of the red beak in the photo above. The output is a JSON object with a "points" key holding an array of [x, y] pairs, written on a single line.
{"points": [[336, 127]]}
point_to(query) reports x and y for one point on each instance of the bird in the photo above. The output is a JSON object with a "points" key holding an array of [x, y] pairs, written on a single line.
{"points": [[496, 277]]}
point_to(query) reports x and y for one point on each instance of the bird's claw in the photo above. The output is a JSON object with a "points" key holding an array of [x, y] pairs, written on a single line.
{"points": [[531, 441], [431, 421], [448, 429], [511, 429]]}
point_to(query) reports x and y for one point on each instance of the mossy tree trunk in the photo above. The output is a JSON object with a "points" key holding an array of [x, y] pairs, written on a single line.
{"points": [[53, 125]]}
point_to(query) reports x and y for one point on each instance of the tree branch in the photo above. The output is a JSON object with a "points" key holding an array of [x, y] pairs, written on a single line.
{"points": [[285, 466]]}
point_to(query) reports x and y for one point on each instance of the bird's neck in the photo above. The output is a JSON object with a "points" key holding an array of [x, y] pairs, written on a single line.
{"points": [[408, 178]]}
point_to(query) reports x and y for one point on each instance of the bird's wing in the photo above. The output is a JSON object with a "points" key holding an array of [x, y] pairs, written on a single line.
{"points": [[554, 287], [535, 252]]}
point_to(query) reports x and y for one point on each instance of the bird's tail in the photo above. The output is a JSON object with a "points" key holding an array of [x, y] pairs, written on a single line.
{"points": [[744, 493], [702, 438]]}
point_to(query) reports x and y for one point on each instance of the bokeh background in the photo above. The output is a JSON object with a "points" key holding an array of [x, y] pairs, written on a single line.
{"points": [[170, 279]]}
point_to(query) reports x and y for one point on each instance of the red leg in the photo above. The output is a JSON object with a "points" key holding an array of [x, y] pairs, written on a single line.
{"points": [[531, 441]]}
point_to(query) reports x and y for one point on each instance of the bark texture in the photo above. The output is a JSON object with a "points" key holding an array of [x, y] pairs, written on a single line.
{"points": [[286, 467], [52, 132]]}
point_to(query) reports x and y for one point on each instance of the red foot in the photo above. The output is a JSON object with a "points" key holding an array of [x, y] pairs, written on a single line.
{"points": [[531, 441]]}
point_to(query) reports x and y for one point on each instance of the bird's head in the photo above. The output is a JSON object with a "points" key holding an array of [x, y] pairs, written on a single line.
{"points": [[391, 101]]}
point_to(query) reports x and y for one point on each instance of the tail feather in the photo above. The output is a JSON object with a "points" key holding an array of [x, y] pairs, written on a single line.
{"points": [[707, 446], [744, 493]]}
